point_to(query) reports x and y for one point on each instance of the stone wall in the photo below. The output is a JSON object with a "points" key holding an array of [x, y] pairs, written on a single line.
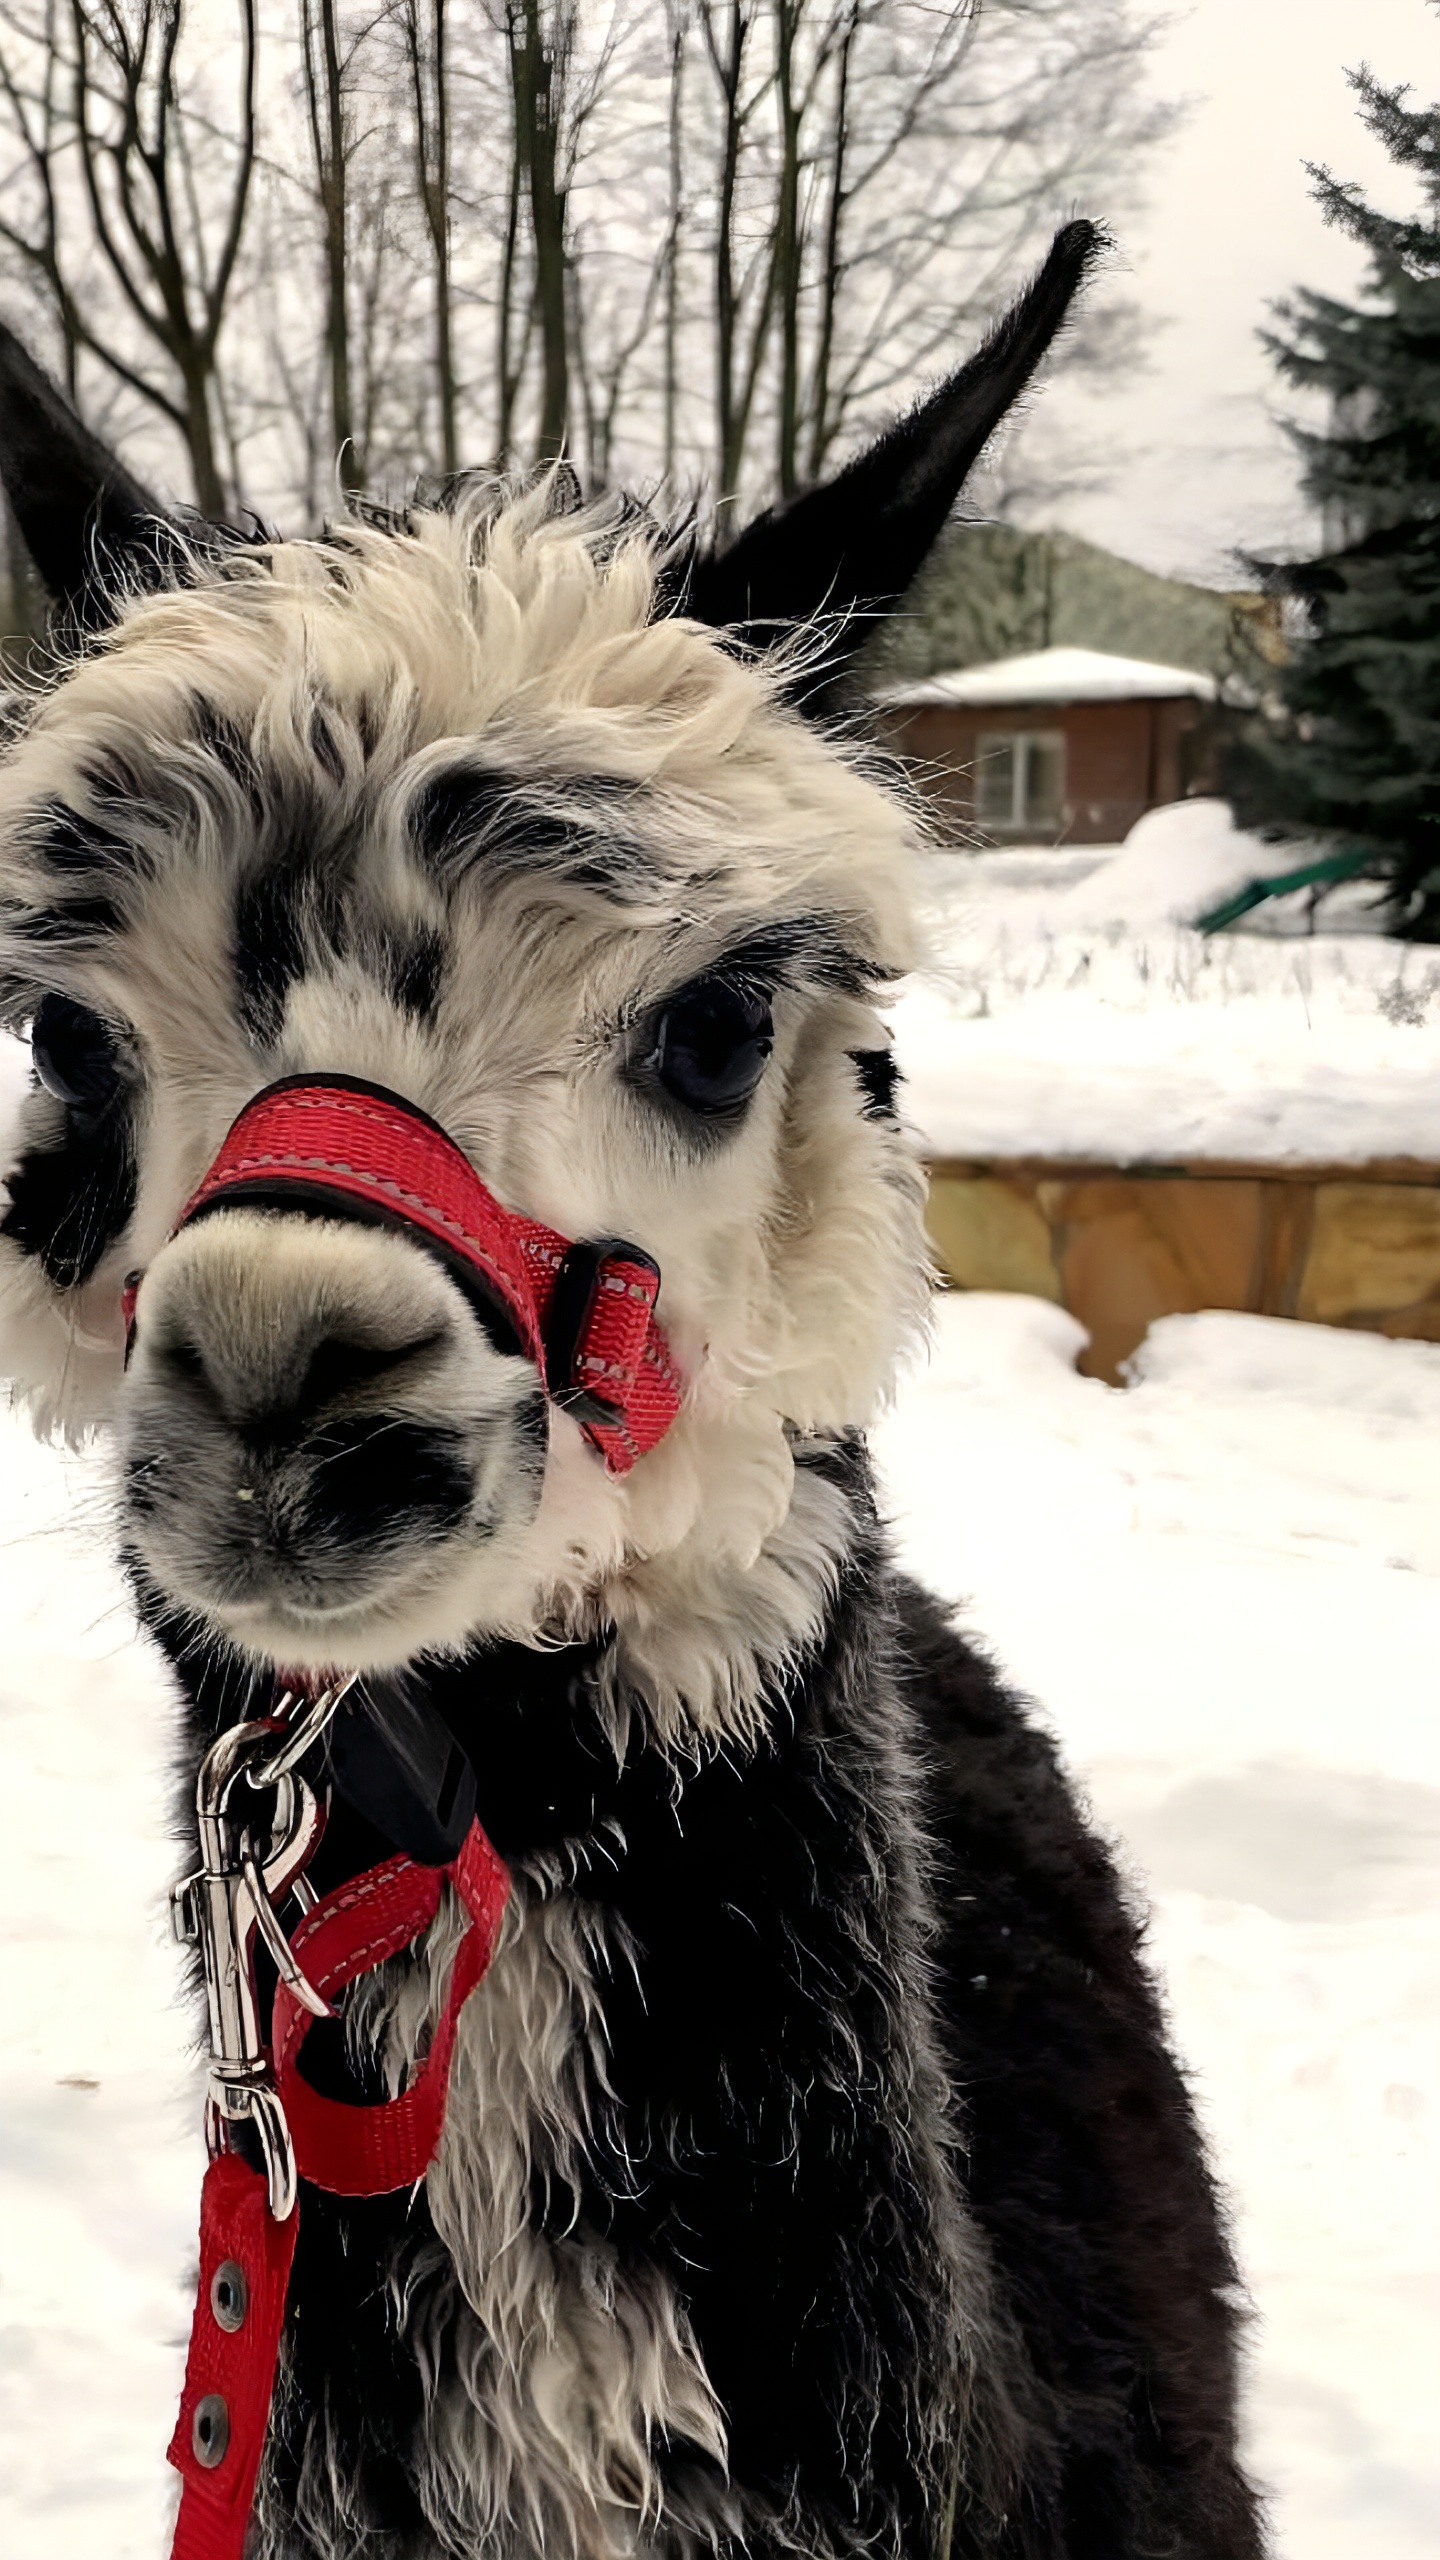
{"points": [[1119, 1245]]}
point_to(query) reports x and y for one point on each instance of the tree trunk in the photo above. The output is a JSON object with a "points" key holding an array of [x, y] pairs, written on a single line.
{"points": [[820, 420], [325, 90], [729, 441], [440, 233], [787, 244], [200, 436], [430, 85], [671, 357], [548, 225], [508, 369]]}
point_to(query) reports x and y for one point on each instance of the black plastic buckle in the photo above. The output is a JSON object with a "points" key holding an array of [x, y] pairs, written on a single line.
{"points": [[576, 1282], [394, 1758]]}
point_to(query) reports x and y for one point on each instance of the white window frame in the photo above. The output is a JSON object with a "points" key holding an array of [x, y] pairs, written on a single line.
{"points": [[1021, 743]]}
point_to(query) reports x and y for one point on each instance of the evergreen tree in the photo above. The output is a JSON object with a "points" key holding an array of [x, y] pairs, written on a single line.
{"points": [[1352, 748]]}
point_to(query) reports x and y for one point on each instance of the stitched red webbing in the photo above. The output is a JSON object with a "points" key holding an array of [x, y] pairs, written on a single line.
{"points": [[237, 2229], [357, 2151], [344, 1145], [366, 2151]]}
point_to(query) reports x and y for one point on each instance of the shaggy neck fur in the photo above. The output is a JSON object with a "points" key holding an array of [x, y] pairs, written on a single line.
{"points": [[698, 2094]]}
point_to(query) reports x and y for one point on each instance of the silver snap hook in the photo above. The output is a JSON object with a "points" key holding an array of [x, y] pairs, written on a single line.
{"points": [[229, 2295], [210, 2430]]}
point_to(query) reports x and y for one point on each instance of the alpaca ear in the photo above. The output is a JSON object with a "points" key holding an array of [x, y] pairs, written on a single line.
{"points": [[850, 548], [88, 526]]}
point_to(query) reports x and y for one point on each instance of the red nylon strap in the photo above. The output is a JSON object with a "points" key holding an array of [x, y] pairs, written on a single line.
{"points": [[237, 2368], [355, 2151], [335, 1143], [366, 2151]]}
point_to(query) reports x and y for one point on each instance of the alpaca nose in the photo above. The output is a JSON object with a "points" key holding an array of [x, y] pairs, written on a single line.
{"points": [[313, 1381], [306, 1380], [313, 1420], [279, 1323]]}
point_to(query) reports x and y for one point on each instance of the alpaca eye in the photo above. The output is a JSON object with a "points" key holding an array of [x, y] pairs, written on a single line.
{"points": [[712, 1043], [74, 1054]]}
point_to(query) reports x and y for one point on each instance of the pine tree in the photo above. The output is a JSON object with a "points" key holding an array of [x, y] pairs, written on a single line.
{"points": [[1352, 749]]}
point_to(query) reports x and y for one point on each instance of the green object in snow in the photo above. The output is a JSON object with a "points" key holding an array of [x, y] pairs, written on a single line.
{"points": [[1311, 875]]}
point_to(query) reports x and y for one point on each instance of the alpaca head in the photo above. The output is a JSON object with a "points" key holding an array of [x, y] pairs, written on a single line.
{"points": [[482, 811]]}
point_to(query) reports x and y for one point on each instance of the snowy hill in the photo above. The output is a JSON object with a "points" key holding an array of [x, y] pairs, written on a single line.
{"points": [[1069, 1008]]}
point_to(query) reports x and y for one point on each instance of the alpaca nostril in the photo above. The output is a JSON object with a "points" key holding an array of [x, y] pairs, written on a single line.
{"points": [[300, 1380], [186, 1359], [337, 1367]]}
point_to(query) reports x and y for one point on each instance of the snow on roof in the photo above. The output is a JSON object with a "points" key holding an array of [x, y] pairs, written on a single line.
{"points": [[1054, 675]]}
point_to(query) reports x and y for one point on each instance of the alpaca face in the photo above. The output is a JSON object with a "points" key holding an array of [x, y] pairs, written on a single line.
{"points": [[454, 812]]}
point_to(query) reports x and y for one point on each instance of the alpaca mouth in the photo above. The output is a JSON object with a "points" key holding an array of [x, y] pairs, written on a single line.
{"points": [[325, 1537], [316, 1428]]}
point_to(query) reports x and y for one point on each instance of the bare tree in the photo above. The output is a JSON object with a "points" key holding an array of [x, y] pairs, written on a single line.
{"points": [[328, 64], [110, 101], [679, 35], [744, 286], [541, 40], [41, 126], [880, 169], [714, 239], [426, 44]]}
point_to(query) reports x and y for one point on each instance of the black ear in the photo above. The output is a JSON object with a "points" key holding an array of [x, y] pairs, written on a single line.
{"points": [[850, 548], [87, 524]]}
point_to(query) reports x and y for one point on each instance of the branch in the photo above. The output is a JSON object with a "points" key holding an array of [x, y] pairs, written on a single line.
{"points": [[216, 298]]}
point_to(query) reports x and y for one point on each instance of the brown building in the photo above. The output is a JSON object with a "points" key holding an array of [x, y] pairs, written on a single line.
{"points": [[1062, 746]]}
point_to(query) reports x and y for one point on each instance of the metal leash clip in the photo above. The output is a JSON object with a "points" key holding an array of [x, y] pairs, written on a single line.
{"points": [[235, 1892]]}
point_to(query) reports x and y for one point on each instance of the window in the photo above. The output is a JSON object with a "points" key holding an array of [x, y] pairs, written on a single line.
{"points": [[1020, 780]]}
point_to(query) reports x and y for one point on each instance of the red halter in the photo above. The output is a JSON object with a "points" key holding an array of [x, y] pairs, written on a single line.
{"points": [[584, 1313]]}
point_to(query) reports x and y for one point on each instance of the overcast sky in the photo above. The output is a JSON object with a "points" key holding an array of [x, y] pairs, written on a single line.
{"points": [[1230, 226]]}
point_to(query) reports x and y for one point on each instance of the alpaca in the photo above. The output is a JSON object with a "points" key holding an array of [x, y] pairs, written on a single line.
{"points": [[814, 2178]]}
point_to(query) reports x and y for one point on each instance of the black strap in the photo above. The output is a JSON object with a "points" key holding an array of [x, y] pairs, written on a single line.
{"points": [[393, 1757]]}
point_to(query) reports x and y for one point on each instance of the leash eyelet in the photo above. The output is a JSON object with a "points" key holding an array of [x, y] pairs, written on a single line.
{"points": [[210, 2430], [229, 2296]]}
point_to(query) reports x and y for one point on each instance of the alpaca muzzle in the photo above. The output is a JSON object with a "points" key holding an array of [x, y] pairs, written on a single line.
{"points": [[337, 1147]]}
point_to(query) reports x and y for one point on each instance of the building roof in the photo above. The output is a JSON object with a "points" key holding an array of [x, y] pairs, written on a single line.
{"points": [[1053, 675]]}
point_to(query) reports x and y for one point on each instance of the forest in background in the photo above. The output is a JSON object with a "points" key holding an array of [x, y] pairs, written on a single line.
{"points": [[283, 250]]}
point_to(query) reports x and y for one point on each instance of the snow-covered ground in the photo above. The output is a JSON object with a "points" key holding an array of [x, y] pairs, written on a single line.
{"points": [[1071, 1009], [1224, 1584]]}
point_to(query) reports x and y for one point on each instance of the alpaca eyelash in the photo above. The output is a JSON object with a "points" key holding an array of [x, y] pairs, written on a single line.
{"points": [[776, 959]]}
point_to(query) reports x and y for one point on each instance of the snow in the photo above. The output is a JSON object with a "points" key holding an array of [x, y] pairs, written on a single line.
{"points": [[1053, 675], [1069, 1010], [1224, 1584], [102, 2158], [1174, 865]]}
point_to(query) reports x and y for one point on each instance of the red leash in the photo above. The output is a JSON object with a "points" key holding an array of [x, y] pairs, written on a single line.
{"points": [[246, 2246], [367, 2151]]}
